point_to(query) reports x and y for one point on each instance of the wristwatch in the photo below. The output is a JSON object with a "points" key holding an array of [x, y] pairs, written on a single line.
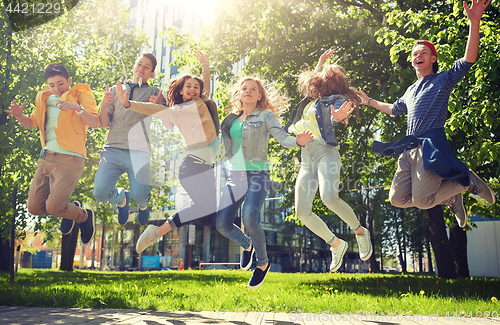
{"points": [[81, 111]]}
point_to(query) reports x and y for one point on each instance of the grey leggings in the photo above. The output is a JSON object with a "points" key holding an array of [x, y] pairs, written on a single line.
{"points": [[321, 168]]}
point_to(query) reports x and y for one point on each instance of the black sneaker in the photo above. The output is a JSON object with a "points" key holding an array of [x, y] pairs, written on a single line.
{"points": [[66, 224], [258, 277], [87, 228], [123, 211], [143, 216], [247, 258]]}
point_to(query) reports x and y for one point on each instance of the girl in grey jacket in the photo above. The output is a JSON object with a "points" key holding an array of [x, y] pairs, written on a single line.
{"points": [[245, 133]]}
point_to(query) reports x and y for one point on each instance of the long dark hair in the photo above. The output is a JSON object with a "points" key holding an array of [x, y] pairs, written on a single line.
{"points": [[173, 95]]}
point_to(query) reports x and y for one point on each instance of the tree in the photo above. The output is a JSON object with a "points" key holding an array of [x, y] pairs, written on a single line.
{"points": [[89, 41]]}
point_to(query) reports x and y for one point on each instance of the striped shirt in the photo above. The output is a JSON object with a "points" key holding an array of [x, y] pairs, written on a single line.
{"points": [[426, 101]]}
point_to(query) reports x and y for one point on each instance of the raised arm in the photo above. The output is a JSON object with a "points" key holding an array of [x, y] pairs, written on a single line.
{"points": [[474, 13], [205, 71], [322, 59], [17, 111], [103, 112], [383, 107]]}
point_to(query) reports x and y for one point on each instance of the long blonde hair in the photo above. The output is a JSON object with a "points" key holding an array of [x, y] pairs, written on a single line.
{"points": [[331, 81], [271, 98]]}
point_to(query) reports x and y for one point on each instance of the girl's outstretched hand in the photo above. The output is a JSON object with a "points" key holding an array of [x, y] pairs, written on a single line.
{"points": [[122, 97], [304, 137], [326, 55], [344, 111], [201, 57]]}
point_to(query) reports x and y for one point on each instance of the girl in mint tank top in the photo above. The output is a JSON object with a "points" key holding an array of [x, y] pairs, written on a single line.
{"points": [[246, 133]]}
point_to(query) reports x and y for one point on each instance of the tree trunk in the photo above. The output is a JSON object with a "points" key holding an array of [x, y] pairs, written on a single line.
{"points": [[92, 260], [403, 252], [303, 252], [429, 255], [399, 241], [420, 259], [440, 244], [101, 257], [4, 253], [13, 234], [122, 253], [374, 266], [458, 243], [68, 248], [381, 256], [135, 256]]}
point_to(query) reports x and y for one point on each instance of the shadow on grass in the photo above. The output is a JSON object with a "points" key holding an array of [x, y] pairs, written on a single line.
{"points": [[404, 284]]}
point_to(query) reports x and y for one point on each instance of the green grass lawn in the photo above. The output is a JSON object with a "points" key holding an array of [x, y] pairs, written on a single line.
{"points": [[217, 290]]}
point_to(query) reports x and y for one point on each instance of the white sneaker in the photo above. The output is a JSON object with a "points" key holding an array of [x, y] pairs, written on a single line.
{"points": [[148, 237], [338, 255], [365, 245]]}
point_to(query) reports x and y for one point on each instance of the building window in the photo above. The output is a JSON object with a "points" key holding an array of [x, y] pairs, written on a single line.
{"points": [[133, 12]]}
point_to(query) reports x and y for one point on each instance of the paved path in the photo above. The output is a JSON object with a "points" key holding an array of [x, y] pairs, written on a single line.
{"points": [[36, 315]]}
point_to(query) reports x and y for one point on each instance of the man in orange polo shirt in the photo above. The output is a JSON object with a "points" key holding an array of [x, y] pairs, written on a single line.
{"points": [[63, 114]]}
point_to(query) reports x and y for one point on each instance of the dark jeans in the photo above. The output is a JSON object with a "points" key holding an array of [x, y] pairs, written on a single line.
{"points": [[198, 179]]}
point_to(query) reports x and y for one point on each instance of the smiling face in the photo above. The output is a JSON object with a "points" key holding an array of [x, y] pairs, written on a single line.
{"points": [[143, 68], [59, 85], [249, 93], [422, 60], [191, 90]]}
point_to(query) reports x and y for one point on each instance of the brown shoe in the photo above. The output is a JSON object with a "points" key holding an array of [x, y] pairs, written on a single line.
{"points": [[480, 188], [458, 210]]}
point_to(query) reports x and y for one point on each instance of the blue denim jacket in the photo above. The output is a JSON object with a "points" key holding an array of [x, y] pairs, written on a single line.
{"points": [[437, 154], [326, 122], [257, 128]]}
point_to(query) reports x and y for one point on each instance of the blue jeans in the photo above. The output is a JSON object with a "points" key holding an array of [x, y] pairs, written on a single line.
{"points": [[251, 187], [114, 162]]}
